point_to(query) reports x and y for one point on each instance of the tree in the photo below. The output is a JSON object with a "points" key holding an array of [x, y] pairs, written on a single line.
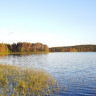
{"points": [[34, 48], [46, 49]]}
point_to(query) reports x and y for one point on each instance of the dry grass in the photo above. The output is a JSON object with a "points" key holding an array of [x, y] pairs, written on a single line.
{"points": [[15, 81]]}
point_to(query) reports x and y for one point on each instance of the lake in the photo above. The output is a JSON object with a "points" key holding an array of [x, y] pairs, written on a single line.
{"points": [[75, 72]]}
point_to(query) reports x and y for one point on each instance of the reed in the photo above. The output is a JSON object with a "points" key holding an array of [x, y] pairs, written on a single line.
{"points": [[16, 81]]}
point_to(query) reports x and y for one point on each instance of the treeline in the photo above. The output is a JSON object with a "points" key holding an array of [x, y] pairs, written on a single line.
{"points": [[79, 48], [39, 47], [23, 47]]}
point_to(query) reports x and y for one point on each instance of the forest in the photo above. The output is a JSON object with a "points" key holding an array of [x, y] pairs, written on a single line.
{"points": [[78, 48], [23, 47]]}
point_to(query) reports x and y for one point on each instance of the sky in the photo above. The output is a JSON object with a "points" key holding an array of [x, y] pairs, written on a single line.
{"points": [[51, 22]]}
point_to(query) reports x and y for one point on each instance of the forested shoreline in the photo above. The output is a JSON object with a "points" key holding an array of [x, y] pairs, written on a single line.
{"points": [[24, 47], [78, 48]]}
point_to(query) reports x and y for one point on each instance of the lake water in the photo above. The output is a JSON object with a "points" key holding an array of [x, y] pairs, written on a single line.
{"points": [[75, 72]]}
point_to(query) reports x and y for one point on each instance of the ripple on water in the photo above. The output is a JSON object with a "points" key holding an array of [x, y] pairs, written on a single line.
{"points": [[75, 72]]}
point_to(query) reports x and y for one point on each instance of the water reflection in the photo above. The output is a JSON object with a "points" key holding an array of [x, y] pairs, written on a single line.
{"points": [[75, 72]]}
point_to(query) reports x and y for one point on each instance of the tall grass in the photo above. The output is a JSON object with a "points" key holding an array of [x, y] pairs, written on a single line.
{"points": [[16, 81]]}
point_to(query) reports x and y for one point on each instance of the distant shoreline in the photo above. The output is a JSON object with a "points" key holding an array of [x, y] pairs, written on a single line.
{"points": [[78, 48], [23, 53], [39, 48]]}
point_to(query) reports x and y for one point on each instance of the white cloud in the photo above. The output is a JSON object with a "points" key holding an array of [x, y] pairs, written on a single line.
{"points": [[11, 33]]}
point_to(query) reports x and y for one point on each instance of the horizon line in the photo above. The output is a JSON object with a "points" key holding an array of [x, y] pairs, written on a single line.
{"points": [[47, 45]]}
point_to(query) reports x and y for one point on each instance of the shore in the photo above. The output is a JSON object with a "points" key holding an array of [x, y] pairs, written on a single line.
{"points": [[21, 53]]}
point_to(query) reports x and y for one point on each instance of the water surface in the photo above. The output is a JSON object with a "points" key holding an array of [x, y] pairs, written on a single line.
{"points": [[75, 72]]}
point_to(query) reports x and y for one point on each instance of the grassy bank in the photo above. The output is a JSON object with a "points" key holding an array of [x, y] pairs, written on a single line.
{"points": [[15, 81]]}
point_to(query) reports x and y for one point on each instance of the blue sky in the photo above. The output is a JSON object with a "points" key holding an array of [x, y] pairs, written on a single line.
{"points": [[52, 22]]}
